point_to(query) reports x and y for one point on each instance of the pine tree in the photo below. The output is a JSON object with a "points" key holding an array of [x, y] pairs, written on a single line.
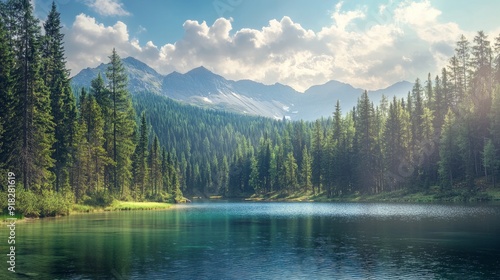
{"points": [[317, 155], [91, 158], [396, 141], [7, 103], [102, 96], [448, 151], [264, 163], [254, 181], [439, 105], [366, 138], [463, 56], [456, 84], [490, 161], [122, 124], [497, 60], [63, 106], [139, 165], [154, 163], [291, 172], [306, 172], [34, 112], [480, 97]]}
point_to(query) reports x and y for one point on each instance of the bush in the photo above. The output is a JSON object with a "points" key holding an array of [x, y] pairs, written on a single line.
{"points": [[100, 198], [161, 197], [55, 203], [27, 203], [48, 203]]}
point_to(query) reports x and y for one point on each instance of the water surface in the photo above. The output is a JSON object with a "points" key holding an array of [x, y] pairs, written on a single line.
{"points": [[265, 241]]}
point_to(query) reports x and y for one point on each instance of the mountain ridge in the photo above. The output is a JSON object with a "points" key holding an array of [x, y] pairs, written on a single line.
{"points": [[202, 87]]}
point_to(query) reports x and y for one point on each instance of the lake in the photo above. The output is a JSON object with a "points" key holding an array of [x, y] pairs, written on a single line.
{"points": [[254, 240]]}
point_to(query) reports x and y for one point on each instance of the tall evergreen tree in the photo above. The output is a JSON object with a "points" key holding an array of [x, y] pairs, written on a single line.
{"points": [[7, 102], [63, 106], [102, 96], [34, 111], [306, 172], [154, 163], [448, 152], [490, 161], [140, 167], [122, 124], [365, 136], [90, 156], [463, 55], [317, 140], [396, 142], [497, 60]]}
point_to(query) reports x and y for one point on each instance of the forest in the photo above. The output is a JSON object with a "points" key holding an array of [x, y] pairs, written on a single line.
{"points": [[63, 151], [95, 144], [444, 136]]}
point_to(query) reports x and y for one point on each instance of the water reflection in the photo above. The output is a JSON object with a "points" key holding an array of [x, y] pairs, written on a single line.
{"points": [[267, 241]]}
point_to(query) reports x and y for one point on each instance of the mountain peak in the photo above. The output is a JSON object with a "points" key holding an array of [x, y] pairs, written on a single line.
{"points": [[200, 69], [200, 86]]}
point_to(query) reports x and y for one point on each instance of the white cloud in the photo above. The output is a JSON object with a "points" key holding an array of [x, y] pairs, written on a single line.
{"points": [[108, 7], [397, 48], [342, 19]]}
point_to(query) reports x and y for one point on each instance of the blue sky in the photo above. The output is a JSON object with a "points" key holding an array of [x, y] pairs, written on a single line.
{"points": [[370, 44]]}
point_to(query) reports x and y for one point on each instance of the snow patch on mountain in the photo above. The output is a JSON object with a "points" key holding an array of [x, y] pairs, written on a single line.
{"points": [[203, 88]]}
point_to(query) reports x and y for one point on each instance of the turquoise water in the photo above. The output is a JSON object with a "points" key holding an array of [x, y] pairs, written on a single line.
{"points": [[264, 241]]}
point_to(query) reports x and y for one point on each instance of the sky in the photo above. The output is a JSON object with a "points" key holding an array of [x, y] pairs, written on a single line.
{"points": [[300, 43]]}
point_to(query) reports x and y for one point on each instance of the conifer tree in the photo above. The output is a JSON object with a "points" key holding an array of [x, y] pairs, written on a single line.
{"points": [[154, 163], [448, 151], [316, 155], [91, 158], [497, 60], [63, 106], [463, 55], [396, 143], [365, 136], [34, 112], [102, 96], [140, 167], [306, 172], [7, 102], [490, 161], [122, 124], [291, 172]]}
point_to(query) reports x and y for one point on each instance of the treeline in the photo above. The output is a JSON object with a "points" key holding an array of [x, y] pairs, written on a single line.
{"points": [[62, 152], [205, 142], [445, 133]]}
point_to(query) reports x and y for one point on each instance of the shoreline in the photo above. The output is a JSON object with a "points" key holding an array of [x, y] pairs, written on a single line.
{"points": [[116, 206], [433, 195]]}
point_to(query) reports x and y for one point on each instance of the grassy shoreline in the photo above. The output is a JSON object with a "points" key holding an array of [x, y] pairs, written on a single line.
{"points": [[119, 205], [433, 195]]}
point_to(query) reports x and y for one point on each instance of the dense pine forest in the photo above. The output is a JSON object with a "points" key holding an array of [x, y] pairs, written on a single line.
{"points": [[63, 153], [444, 136], [99, 143]]}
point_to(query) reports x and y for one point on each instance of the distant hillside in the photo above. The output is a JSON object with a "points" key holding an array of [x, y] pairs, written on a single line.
{"points": [[203, 88]]}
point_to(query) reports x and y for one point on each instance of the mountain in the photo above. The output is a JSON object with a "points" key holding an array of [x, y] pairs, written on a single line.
{"points": [[203, 88], [141, 77]]}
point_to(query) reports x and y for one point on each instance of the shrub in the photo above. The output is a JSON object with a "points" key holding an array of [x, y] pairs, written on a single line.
{"points": [[100, 198], [27, 203], [161, 197]]}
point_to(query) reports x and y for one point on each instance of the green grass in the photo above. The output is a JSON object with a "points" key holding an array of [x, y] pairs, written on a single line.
{"points": [[4, 217], [82, 208], [484, 192], [130, 205], [494, 193]]}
